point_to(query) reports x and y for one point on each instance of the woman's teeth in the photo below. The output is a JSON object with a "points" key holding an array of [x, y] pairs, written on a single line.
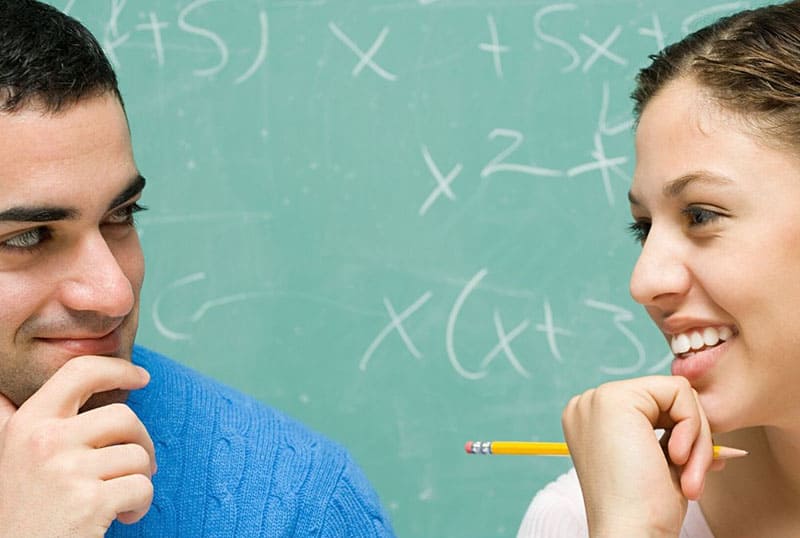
{"points": [[697, 340]]}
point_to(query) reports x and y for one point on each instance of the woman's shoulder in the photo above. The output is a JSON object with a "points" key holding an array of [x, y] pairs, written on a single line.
{"points": [[556, 511]]}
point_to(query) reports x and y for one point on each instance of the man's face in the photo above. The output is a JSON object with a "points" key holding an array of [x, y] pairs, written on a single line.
{"points": [[71, 266]]}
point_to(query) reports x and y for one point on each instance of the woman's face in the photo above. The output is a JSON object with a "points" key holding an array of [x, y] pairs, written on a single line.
{"points": [[718, 212]]}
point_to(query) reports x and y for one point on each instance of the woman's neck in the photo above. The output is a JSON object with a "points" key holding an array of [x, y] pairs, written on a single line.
{"points": [[758, 495]]}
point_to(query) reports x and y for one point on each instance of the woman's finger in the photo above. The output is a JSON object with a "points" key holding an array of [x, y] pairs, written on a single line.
{"points": [[694, 472]]}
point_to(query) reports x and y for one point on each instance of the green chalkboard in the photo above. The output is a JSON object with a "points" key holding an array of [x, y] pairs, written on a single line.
{"points": [[401, 221]]}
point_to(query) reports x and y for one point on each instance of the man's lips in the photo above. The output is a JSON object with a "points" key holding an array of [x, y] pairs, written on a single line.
{"points": [[107, 344]]}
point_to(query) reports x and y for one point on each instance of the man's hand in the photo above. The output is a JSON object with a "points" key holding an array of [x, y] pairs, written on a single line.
{"points": [[68, 474]]}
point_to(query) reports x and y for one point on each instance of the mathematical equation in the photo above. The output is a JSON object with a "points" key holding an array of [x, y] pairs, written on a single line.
{"points": [[504, 161], [503, 348], [558, 31], [582, 50]]}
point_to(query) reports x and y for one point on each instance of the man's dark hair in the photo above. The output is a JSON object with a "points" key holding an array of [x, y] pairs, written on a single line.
{"points": [[48, 59]]}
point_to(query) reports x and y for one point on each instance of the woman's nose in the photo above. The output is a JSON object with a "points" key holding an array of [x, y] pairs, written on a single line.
{"points": [[661, 276]]}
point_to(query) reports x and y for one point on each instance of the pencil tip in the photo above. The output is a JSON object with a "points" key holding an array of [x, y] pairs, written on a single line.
{"points": [[725, 453]]}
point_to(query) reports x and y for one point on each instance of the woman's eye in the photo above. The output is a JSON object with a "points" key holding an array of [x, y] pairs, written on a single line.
{"points": [[26, 240], [639, 229], [698, 216]]}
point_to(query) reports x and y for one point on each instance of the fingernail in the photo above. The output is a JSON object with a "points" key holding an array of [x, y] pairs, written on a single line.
{"points": [[144, 373]]}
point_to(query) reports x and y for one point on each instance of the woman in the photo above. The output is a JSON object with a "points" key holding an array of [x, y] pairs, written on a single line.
{"points": [[716, 206]]}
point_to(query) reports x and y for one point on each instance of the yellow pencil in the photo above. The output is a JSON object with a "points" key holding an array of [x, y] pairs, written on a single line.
{"points": [[540, 448]]}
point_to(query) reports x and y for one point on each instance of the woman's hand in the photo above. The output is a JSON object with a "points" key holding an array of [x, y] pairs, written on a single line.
{"points": [[630, 488]]}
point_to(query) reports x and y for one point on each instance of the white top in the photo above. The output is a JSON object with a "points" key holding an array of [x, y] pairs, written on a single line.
{"points": [[557, 511]]}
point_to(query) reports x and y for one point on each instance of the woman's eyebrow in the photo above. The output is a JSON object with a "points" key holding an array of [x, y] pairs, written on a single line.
{"points": [[676, 186], [673, 188]]}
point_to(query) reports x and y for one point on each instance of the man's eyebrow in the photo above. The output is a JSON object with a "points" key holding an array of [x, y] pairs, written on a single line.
{"points": [[673, 188], [54, 213], [134, 187], [37, 214]]}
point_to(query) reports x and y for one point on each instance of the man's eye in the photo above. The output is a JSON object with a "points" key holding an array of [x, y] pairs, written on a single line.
{"points": [[27, 240], [639, 229], [124, 215]]}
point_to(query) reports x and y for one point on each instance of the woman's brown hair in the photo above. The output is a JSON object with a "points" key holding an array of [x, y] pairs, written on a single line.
{"points": [[749, 63]]}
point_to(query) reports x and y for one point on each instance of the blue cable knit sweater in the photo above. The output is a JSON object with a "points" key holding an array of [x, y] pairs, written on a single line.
{"points": [[229, 466]]}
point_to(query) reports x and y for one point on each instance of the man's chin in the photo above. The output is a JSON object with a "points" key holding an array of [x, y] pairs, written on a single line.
{"points": [[101, 399]]}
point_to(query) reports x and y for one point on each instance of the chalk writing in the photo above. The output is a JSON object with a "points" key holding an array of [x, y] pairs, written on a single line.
{"points": [[201, 311], [365, 58], [155, 26], [395, 324], [549, 328], [156, 310], [218, 42], [443, 182], [451, 326], [495, 48], [602, 49], [261, 57], [503, 344], [114, 39], [575, 58], [655, 32], [620, 318], [498, 164], [601, 163]]}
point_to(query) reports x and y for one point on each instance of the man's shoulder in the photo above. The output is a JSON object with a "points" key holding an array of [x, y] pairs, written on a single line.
{"points": [[229, 465], [178, 396]]}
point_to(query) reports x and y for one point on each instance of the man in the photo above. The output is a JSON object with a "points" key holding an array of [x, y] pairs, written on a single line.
{"points": [[181, 456]]}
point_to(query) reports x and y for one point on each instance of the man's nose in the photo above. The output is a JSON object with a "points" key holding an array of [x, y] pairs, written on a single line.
{"points": [[95, 280]]}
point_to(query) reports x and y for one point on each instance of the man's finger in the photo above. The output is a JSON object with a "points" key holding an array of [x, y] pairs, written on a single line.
{"points": [[129, 497], [114, 424], [78, 379], [117, 461]]}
